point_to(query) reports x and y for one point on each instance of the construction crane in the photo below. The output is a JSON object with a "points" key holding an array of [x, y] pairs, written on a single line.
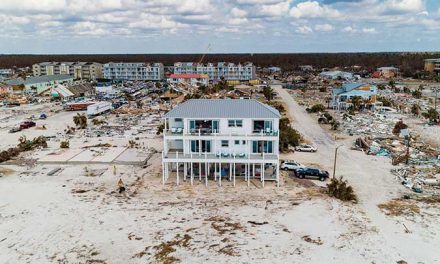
{"points": [[204, 53]]}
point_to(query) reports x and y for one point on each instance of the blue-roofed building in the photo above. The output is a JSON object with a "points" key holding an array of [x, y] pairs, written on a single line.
{"points": [[204, 138], [341, 97]]}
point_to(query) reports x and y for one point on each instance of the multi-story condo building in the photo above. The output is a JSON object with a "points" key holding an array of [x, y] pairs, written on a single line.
{"points": [[432, 65], [79, 70], [229, 71], [134, 71], [221, 139]]}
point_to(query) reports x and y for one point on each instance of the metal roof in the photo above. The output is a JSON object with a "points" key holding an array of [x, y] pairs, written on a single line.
{"points": [[223, 108], [39, 79]]}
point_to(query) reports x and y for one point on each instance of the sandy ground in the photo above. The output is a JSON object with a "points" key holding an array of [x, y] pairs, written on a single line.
{"points": [[373, 183], [76, 216]]}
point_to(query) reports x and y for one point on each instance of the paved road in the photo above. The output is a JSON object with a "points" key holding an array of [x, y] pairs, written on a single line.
{"points": [[370, 177]]}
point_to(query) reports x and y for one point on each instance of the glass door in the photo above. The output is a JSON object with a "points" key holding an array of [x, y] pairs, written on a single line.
{"points": [[215, 126], [267, 126], [206, 146], [195, 146], [268, 147], [192, 126]]}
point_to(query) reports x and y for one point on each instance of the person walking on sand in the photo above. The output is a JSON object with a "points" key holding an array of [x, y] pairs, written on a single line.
{"points": [[121, 186]]}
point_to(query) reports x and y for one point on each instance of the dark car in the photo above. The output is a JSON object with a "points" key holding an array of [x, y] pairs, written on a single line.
{"points": [[312, 172], [27, 124]]}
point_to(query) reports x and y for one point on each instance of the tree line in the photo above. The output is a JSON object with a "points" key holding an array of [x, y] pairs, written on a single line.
{"points": [[406, 61]]}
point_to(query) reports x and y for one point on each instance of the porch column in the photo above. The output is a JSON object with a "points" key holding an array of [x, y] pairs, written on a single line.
{"points": [[185, 170], [200, 171], [248, 177], [245, 172], [220, 174], [262, 173], [177, 173], [192, 172], [234, 173], [206, 172], [230, 171], [253, 171]]}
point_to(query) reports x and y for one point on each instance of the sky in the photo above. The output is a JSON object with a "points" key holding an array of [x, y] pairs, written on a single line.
{"points": [[225, 26]]}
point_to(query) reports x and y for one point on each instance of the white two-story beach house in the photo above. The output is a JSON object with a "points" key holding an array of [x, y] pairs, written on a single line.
{"points": [[221, 139]]}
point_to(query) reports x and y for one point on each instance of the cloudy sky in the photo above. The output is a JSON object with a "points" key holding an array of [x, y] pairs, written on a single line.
{"points": [[188, 26]]}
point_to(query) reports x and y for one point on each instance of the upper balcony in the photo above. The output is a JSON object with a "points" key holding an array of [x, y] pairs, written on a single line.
{"points": [[207, 132]]}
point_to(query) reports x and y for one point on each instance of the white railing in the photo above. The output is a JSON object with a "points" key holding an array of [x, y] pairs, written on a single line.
{"points": [[219, 156], [200, 132]]}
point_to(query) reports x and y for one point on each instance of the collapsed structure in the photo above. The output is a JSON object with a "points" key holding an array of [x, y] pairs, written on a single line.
{"points": [[223, 138]]}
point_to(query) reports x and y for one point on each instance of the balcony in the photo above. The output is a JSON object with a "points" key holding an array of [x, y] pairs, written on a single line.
{"points": [[217, 157], [215, 133]]}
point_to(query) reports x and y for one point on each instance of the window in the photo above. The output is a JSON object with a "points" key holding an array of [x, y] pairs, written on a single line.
{"points": [[244, 142], [237, 142], [195, 146], [235, 123], [262, 146], [178, 119], [225, 143]]}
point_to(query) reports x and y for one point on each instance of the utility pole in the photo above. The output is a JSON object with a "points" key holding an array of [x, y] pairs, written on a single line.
{"points": [[407, 135], [334, 163]]}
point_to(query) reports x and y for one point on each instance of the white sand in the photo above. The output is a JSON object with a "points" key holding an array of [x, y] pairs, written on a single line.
{"points": [[74, 218]]}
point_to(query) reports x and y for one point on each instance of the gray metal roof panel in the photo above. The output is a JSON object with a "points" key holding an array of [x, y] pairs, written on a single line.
{"points": [[223, 108], [39, 79]]}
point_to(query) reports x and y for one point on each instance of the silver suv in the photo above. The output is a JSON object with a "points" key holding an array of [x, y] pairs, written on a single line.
{"points": [[291, 165]]}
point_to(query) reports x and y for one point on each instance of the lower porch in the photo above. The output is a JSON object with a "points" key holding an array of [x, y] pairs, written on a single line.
{"points": [[179, 172]]}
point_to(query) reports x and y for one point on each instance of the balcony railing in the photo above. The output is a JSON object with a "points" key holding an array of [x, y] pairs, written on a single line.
{"points": [[213, 132], [236, 157]]}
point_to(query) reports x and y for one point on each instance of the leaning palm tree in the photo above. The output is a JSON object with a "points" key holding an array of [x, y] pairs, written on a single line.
{"points": [[356, 101], [80, 121]]}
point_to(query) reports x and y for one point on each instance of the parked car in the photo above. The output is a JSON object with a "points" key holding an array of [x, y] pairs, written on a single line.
{"points": [[27, 124], [306, 148], [313, 172], [15, 129], [291, 165]]}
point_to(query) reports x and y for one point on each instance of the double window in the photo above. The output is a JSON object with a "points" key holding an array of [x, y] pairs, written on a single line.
{"points": [[200, 146], [235, 123], [262, 146]]}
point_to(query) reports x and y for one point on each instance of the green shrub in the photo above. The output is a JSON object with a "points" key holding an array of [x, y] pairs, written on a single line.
{"points": [[339, 189], [288, 136], [317, 108], [417, 94], [64, 144]]}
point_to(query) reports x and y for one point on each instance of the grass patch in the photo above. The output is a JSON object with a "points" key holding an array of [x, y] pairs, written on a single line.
{"points": [[164, 249], [399, 207], [223, 226], [311, 240]]}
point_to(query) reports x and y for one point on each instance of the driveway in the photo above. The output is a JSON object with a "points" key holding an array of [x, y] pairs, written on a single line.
{"points": [[369, 175]]}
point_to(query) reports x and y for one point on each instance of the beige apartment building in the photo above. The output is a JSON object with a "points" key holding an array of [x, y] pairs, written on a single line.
{"points": [[79, 70], [432, 65]]}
